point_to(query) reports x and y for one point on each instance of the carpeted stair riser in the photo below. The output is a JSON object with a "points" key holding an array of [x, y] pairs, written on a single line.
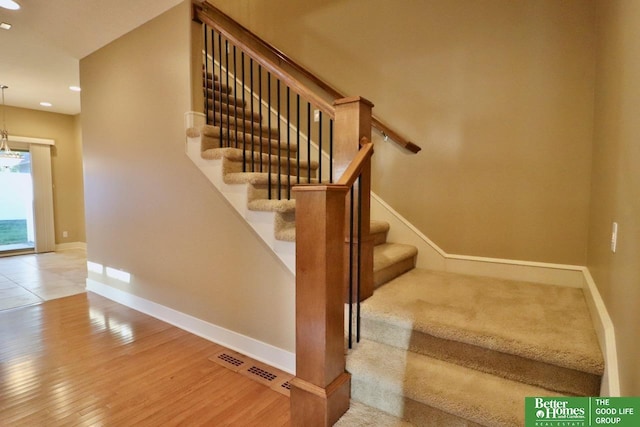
{"points": [[378, 231], [430, 392], [217, 87], [226, 98], [257, 191], [391, 260], [208, 75], [412, 412], [360, 415], [246, 127], [260, 163], [262, 146], [285, 226], [250, 128], [236, 138], [549, 376], [239, 112], [233, 122]]}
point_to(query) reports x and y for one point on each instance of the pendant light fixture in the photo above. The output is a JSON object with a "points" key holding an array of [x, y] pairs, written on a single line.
{"points": [[8, 158], [9, 4]]}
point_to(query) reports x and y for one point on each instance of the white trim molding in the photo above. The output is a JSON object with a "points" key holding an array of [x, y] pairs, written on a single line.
{"points": [[30, 140], [432, 257], [603, 325], [263, 352], [70, 246]]}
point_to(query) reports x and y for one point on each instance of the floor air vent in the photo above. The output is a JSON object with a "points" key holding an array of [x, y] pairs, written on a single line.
{"points": [[230, 359], [269, 376], [262, 373]]}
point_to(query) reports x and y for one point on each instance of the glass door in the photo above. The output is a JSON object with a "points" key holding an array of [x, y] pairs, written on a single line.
{"points": [[17, 231]]}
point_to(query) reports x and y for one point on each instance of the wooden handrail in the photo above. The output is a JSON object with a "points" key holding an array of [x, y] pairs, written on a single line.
{"points": [[206, 12], [260, 51], [352, 172]]}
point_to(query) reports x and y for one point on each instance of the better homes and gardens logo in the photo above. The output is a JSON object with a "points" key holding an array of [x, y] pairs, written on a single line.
{"points": [[582, 411], [563, 412]]}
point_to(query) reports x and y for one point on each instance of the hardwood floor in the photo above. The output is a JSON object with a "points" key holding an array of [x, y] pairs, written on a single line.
{"points": [[87, 361]]}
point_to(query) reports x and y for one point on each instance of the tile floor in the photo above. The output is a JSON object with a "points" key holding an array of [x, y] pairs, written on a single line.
{"points": [[31, 279]]}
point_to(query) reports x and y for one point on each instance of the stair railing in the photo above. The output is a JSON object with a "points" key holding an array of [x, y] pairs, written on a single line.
{"points": [[291, 68], [320, 391], [334, 249], [284, 129]]}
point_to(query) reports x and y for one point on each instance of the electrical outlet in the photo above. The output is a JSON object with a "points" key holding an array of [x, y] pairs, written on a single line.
{"points": [[614, 237], [316, 115], [65, 234]]}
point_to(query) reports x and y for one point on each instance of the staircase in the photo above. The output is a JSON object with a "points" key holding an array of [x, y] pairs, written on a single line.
{"points": [[437, 349]]}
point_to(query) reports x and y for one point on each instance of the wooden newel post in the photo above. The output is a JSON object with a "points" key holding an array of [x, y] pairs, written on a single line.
{"points": [[352, 123], [321, 389]]}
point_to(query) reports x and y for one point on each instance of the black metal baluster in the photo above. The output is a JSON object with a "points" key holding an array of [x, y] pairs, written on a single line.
{"points": [[331, 151], [235, 109], [244, 118], [206, 75], [260, 113], [298, 137], [319, 146], [220, 86], [279, 156], [350, 267], [309, 141], [359, 243], [253, 150], [269, 126], [288, 144], [226, 66]]}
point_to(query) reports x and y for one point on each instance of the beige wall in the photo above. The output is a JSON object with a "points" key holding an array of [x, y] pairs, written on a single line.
{"points": [[616, 179], [66, 165], [499, 95], [150, 211]]}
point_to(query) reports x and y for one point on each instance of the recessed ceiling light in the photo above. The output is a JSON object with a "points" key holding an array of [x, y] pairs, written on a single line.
{"points": [[75, 88], [46, 104], [5, 26], [9, 4]]}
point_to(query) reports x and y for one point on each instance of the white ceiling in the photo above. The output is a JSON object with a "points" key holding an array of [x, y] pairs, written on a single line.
{"points": [[40, 54]]}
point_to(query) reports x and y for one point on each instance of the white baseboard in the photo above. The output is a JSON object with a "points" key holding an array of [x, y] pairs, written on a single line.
{"points": [[71, 245], [432, 257], [603, 325], [258, 350]]}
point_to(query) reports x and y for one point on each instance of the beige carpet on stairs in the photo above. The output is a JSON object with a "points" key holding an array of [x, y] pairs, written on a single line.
{"points": [[443, 349], [541, 322]]}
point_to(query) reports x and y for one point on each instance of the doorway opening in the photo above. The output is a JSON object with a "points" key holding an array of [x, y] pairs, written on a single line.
{"points": [[17, 225]]}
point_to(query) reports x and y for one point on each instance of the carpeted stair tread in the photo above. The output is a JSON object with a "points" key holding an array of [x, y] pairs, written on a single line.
{"points": [[427, 391], [379, 230], [266, 205], [389, 253], [218, 87], [237, 111], [237, 155], [361, 415], [390, 260], [244, 125], [550, 324], [227, 98], [209, 75], [262, 178]]}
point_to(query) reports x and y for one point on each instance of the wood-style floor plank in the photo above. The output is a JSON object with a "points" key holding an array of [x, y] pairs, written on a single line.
{"points": [[85, 360]]}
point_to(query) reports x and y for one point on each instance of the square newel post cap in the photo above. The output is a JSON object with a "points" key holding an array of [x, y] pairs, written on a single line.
{"points": [[353, 99]]}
